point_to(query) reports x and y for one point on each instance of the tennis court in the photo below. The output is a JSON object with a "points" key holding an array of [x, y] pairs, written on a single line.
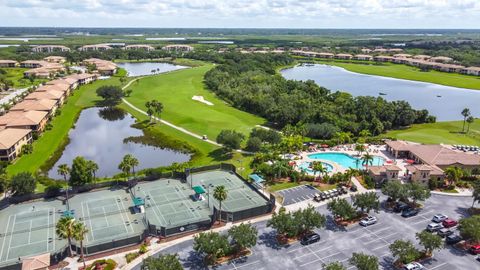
{"points": [[29, 229], [240, 196], [107, 215], [169, 204]]}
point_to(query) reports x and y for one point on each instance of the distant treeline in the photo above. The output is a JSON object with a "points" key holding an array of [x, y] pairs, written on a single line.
{"points": [[250, 83]]}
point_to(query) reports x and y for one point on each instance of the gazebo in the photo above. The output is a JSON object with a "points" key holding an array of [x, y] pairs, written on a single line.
{"points": [[199, 190]]}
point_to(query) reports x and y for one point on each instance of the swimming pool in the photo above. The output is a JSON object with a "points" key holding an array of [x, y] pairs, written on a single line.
{"points": [[305, 166], [345, 160]]}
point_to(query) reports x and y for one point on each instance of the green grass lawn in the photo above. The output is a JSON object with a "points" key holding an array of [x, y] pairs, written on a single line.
{"points": [[441, 132], [281, 186], [409, 73], [16, 76], [176, 89]]}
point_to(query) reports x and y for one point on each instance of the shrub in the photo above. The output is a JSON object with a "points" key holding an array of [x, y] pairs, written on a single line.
{"points": [[143, 249], [131, 256], [103, 264]]}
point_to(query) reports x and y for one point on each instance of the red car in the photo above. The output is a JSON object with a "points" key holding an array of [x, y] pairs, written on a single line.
{"points": [[475, 249], [448, 223]]}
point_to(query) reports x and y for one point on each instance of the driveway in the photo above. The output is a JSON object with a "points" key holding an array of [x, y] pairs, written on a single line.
{"points": [[338, 244], [297, 194]]}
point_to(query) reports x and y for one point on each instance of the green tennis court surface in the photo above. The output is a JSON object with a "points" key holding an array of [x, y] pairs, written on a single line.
{"points": [[168, 203], [29, 229], [107, 215], [239, 195]]}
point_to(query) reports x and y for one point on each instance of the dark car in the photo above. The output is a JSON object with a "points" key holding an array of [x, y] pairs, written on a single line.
{"points": [[353, 188], [310, 239], [453, 239], [400, 206], [410, 212]]}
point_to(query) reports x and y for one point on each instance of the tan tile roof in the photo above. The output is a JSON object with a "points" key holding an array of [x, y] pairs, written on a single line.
{"points": [[19, 118], [10, 136], [473, 68], [55, 87], [52, 94], [35, 105], [435, 154], [398, 145], [8, 61], [36, 262], [54, 58], [434, 170], [378, 170]]}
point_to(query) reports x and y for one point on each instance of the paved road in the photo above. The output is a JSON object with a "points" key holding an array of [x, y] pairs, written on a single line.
{"points": [[297, 194], [338, 244]]}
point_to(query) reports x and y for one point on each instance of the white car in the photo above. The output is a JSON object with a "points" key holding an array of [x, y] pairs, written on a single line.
{"points": [[368, 221], [414, 266], [438, 218], [434, 227]]}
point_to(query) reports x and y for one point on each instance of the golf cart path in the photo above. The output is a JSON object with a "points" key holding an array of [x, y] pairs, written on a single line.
{"points": [[170, 124]]}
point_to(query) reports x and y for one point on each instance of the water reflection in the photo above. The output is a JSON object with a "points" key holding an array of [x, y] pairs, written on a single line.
{"points": [[444, 102], [99, 136]]}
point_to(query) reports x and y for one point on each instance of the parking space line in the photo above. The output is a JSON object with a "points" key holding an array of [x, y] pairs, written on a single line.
{"points": [[244, 265], [302, 247], [435, 267], [379, 238], [311, 252], [320, 259], [382, 246]]}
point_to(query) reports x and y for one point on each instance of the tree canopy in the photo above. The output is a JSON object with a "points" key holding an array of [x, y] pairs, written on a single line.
{"points": [[163, 262], [364, 261], [248, 83], [230, 139], [22, 184], [112, 95], [80, 173]]}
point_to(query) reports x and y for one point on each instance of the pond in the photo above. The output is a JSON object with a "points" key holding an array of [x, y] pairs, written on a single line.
{"points": [[99, 135], [444, 102], [146, 68]]}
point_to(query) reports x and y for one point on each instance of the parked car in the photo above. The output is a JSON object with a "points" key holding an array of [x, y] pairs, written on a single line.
{"points": [[444, 232], [353, 188], [310, 239], [434, 227], [334, 193], [317, 197], [368, 221], [448, 223], [328, 194], [439, 218], [478, 258], [475, 249], [414, 266], [410, 212], [453, 239], [400, 206]]}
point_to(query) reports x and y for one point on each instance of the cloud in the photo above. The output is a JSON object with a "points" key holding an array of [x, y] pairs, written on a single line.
{"points": [[241, 13]]}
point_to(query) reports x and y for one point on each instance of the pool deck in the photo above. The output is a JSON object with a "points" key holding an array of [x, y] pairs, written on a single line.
{"points": [[374, 150]]}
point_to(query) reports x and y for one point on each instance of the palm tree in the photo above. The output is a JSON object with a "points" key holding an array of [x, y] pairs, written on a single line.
{"points": [[133, 163], [465, 114], [64, 171], [79, 232], [150, 110], [64, 230], [220, 194], [367, 159], [470, 121], [125, 166], [360, 148], [317, 166], [453, 174], [280, 168], [92, 169], [349, 173]]}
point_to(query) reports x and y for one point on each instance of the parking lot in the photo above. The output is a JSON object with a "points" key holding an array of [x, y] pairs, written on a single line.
{"points": [[297, 194], [338, 244]]}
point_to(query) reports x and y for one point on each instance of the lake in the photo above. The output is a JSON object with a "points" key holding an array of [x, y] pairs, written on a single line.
{"points": [[444, 102], [99, 135], [145, 68]]}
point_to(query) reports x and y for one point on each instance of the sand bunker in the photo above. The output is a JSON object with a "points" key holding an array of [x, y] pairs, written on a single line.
{"points": [[201, 99]]}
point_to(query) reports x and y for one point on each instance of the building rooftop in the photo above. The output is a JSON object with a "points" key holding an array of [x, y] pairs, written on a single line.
{"points": [[20, 118], [35, 105], [10, 136]]}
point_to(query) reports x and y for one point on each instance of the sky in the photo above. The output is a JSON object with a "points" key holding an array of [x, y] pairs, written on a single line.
{"points": [[243, 13]]}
